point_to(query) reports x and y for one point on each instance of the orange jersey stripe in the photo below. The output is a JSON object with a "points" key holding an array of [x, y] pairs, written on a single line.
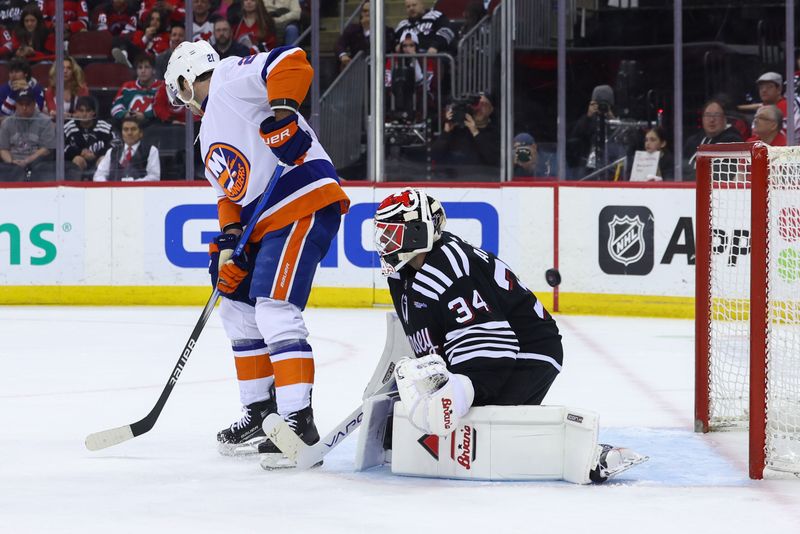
{"points": [[302, 207], [294, 371], [253, 367], [228, 212], [288, 262], [290, 78]]}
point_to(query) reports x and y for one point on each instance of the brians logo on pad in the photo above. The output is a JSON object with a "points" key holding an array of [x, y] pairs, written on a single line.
{"points": [[230, 168]]}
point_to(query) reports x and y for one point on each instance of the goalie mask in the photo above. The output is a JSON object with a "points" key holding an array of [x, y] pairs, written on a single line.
{"points": [[407, 223]]}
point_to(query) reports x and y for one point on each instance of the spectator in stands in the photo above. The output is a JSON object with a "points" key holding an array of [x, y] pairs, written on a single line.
{"points": [[76, 16], [86, 139], [32, 39], [74, 87], [27, 140], [770, 91], [587, 149], [223, 42], [172, 9], [286, 14], [431, 27], [471, 143], [411, 79], [6, 44], [165, 112], [134, 160], [116, 17], [528, 162], [154, 39], [767, 126], [355, 38], [655, 140], [202, 27], [11, 12], [715, 130], [19, 79], [177, 35], [135, 98], [256, 28], [229, 9]]}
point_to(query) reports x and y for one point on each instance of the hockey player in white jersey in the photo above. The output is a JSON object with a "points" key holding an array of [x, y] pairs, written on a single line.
{"points": [[250, 124]]}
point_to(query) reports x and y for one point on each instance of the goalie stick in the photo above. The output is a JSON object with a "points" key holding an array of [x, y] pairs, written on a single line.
{"points": [[114, 436], [297, 452]]}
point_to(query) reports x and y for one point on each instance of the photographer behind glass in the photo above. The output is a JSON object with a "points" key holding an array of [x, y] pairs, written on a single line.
{"points": [[469, 147], [528, 161], [587, 147]]}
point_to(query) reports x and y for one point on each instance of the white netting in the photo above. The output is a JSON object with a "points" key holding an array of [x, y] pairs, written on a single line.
{"points": [[729, 343], [783, 298], [729, 369]]}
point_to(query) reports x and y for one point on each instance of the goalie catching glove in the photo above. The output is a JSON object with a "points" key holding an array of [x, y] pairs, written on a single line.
{"points": [[434, 398], [286, 139], [230, 271]]}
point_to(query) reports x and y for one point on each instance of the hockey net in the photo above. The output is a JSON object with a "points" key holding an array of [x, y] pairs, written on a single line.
{"points": [[748, 299]]}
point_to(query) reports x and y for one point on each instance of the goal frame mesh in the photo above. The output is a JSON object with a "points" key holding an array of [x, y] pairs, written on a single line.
{"points": [[757, 312]]}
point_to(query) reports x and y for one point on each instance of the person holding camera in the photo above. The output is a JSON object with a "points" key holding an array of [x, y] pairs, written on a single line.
{"points": [[527, 160], [587, 148], [470, 142]]}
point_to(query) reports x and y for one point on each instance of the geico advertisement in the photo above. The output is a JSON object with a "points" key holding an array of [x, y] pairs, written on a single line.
{"points": [[627, 241], [160, 235], [42, 236]]}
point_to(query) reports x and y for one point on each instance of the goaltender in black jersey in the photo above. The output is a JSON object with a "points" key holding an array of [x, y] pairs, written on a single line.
{"points": [[465, 304]]}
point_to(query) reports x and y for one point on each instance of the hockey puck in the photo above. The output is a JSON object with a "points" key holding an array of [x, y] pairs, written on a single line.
{"points": [[553, 277]]}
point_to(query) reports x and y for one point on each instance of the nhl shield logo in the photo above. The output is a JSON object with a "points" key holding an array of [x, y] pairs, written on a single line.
{"points": [[626, 239], [625, 243]]}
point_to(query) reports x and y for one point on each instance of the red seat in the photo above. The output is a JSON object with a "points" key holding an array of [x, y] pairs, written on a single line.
{"points": [[90, 45], [3, 73], [41, 71], [106, 75], [453, 9]]}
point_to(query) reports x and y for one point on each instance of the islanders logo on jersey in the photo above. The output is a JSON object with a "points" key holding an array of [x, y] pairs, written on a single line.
{"points": [[230, 168]]}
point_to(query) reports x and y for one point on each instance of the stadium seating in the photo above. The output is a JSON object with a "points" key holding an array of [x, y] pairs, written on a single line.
{"points": [[90, 46]]}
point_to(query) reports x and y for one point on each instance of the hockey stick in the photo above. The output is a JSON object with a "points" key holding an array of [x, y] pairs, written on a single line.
{"points": [[306, 456], [114, 436]]}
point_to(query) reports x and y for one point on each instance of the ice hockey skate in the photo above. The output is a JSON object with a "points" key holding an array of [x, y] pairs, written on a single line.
{"points": [[244, 436], [613, 461], [302, 424]]}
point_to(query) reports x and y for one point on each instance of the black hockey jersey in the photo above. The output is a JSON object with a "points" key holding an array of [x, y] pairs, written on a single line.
{"points": [[467, 306], [431, 29]]}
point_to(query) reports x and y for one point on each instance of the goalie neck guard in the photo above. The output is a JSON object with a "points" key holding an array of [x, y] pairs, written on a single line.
{"points": [[407, 223]]}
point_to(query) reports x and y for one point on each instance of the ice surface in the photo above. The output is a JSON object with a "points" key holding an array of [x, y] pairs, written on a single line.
{"points": [[67, 372]]}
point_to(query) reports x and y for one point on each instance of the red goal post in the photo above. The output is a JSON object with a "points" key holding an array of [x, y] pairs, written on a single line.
{"points": [[747, 299]]}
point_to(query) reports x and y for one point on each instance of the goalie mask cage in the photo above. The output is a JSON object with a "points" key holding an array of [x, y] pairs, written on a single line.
{"points": [[747, 322]]}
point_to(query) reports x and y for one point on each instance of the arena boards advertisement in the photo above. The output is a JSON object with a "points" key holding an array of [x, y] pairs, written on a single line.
{"points": [[626, 250]]}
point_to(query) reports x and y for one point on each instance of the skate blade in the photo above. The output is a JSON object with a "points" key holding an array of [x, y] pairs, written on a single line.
{"points": [[276, 461], [249, 448], [631, 459]]}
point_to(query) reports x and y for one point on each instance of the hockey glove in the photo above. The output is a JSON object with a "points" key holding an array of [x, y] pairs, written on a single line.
{"points": [[434, 398], [286, 139], [229, 271]]}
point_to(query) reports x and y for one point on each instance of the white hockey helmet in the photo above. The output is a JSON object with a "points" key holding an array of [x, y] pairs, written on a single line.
{"points": [[187, 62], [407, 223]]}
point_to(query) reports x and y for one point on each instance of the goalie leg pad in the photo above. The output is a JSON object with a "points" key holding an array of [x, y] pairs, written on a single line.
{"points": [[501, 443], [369, 449]]}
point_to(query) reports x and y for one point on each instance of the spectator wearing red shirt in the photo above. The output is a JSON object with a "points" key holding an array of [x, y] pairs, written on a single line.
{"points": [[256, 29], [174, 10], [154, 39], [74, 87], [767, 126], [76, 15], [32, 40], [115, 17]]}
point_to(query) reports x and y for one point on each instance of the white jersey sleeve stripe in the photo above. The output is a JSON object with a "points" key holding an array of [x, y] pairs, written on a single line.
{"points": [[541, 357], [427, 292], [484, 346], [466, 341], [482, 327], [438, 274], [465, 357], [453, 263], [464, 260], [430, 282]]}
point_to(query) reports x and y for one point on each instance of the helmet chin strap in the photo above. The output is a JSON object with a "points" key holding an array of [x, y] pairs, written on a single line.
{"points": [[192, 102]]}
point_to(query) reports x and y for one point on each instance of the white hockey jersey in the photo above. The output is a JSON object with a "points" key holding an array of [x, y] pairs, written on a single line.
{"points": [[238, 163]]}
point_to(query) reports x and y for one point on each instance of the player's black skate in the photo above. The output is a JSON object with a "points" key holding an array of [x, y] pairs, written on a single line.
{"points": [[614, 460], [302, 423], [243, 436]]}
